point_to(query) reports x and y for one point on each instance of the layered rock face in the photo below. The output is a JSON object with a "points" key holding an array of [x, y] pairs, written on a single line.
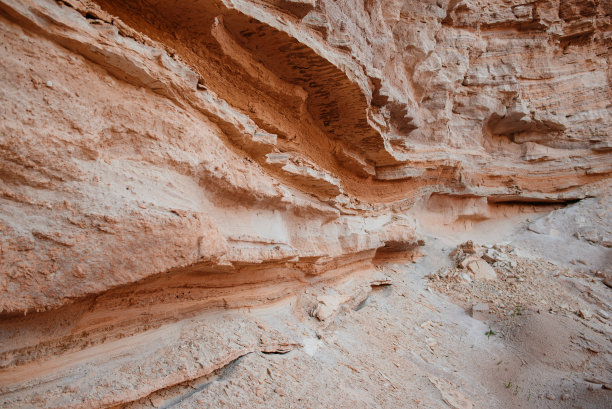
{"points": [[159, 159]]}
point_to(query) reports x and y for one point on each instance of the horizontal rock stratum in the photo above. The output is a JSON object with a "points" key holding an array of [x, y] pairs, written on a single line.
{"points": [[159, 159]]}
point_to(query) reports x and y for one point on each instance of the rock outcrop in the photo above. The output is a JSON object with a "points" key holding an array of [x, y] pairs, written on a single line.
{"points": [[163, 159]]}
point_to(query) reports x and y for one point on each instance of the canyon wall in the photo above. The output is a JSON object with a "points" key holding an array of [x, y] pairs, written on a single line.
{"points": [[159, 159]]}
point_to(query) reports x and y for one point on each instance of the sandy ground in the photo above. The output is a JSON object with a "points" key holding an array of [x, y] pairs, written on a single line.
{"points": [[543, 343]]}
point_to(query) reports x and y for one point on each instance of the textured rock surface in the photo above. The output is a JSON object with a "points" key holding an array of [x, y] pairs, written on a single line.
{"points": [[161, 160], [226, 134]]}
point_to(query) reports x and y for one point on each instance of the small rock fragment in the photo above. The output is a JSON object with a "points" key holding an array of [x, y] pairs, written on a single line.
{"points": [[157, 401], [49, 84], [427, 324], [584, 313], [467, 260], [465, 277], [482, 270]]}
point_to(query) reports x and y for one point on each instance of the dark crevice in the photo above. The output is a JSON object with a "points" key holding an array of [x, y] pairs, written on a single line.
{"points": [[533, 202], [189, 388], [279, 352], [220, 374]]}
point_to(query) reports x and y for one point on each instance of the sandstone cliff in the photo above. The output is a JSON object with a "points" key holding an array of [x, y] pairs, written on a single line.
{"points": [[162, 159]]}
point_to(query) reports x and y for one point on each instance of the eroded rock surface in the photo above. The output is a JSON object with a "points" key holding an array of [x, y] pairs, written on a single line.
{"points": [[163, 161]]}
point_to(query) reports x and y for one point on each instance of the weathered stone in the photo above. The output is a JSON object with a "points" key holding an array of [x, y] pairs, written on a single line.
{"points": [[584, 313], [482, 270]]}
